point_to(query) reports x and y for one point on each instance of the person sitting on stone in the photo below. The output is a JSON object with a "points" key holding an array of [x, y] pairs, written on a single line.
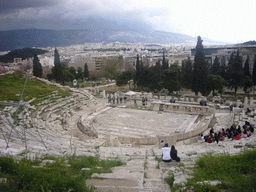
{"points": [[166, 153], [216, 138], [251, 129], [211, 131], [174, 154], [244, 134], [239, 130]]}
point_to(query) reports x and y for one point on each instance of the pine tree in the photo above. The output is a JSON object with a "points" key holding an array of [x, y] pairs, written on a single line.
{"points": [[86, 71], [200, 71], [37, 67]]}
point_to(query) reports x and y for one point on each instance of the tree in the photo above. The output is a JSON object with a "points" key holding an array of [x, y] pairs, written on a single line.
{"points": [[112, 67], [235, 70], [57, 70], [254, 71], [72, 70], [125, 78], [200, 71], [215, 82], [80, 74], [37, 67], [246, 68], [170, 78], [86, 71], [248, 83], [65, 74], [187, 73], [215, 69], [138, 73], [164, 63]]}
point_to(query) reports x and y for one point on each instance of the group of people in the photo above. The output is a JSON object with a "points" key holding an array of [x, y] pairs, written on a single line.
{"points": [[234, 133], [118, 99], [169, 153]]}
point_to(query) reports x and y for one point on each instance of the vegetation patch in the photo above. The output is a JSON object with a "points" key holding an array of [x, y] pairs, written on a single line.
{"points": [[170, 179], [12, 86], [236, 173], [22, 176]]}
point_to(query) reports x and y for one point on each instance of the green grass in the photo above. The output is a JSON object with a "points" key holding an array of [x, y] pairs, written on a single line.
{"points": [[237, 173], [170, 179], [192, 154], [53, 177], [11, 86]]}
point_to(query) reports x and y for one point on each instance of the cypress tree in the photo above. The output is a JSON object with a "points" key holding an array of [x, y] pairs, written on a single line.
{"points": [[254, 71], [57, 73], [86, 71], [187, 73], [200, 71], [164, 63], [215, 69], [235, 70], [37, 67], [246, 68]]}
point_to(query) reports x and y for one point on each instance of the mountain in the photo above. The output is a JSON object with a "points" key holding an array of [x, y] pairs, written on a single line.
{"points": [[250, 43], [21, 53], [17, 39]]}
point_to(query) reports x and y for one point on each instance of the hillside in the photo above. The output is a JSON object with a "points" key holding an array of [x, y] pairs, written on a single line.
{"points": [[21, 53], [17, 39]]}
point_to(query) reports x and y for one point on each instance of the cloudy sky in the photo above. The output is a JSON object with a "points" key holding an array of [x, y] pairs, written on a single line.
{"points": [[221, 20]]}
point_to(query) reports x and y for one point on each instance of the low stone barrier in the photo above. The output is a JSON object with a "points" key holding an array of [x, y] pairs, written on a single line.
{"points": [[175, 107]]}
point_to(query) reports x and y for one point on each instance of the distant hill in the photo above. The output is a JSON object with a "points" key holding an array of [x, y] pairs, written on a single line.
{"points": [[17, 39], [250, 43], [21, 53]]}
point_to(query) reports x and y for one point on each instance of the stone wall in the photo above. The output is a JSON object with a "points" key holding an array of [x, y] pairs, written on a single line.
{"points": [[175, 107]]}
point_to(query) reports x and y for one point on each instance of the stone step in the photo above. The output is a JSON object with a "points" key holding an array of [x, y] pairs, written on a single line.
{"points": [[100, 188], [115, 183]]}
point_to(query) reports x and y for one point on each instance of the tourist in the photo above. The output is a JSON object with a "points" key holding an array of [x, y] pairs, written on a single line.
{"points": [[166, 153], [239, 130], [237, 137], [231, 108], [125, 99], [251, 129], [174, 154], [121, 99], [244, 134], [146, 99], [143, 101], [202, 137], [211, 131], [113, 99], [247, 111]]}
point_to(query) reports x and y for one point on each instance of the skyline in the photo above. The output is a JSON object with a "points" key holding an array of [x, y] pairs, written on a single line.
{"points": [[226, 20]]}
